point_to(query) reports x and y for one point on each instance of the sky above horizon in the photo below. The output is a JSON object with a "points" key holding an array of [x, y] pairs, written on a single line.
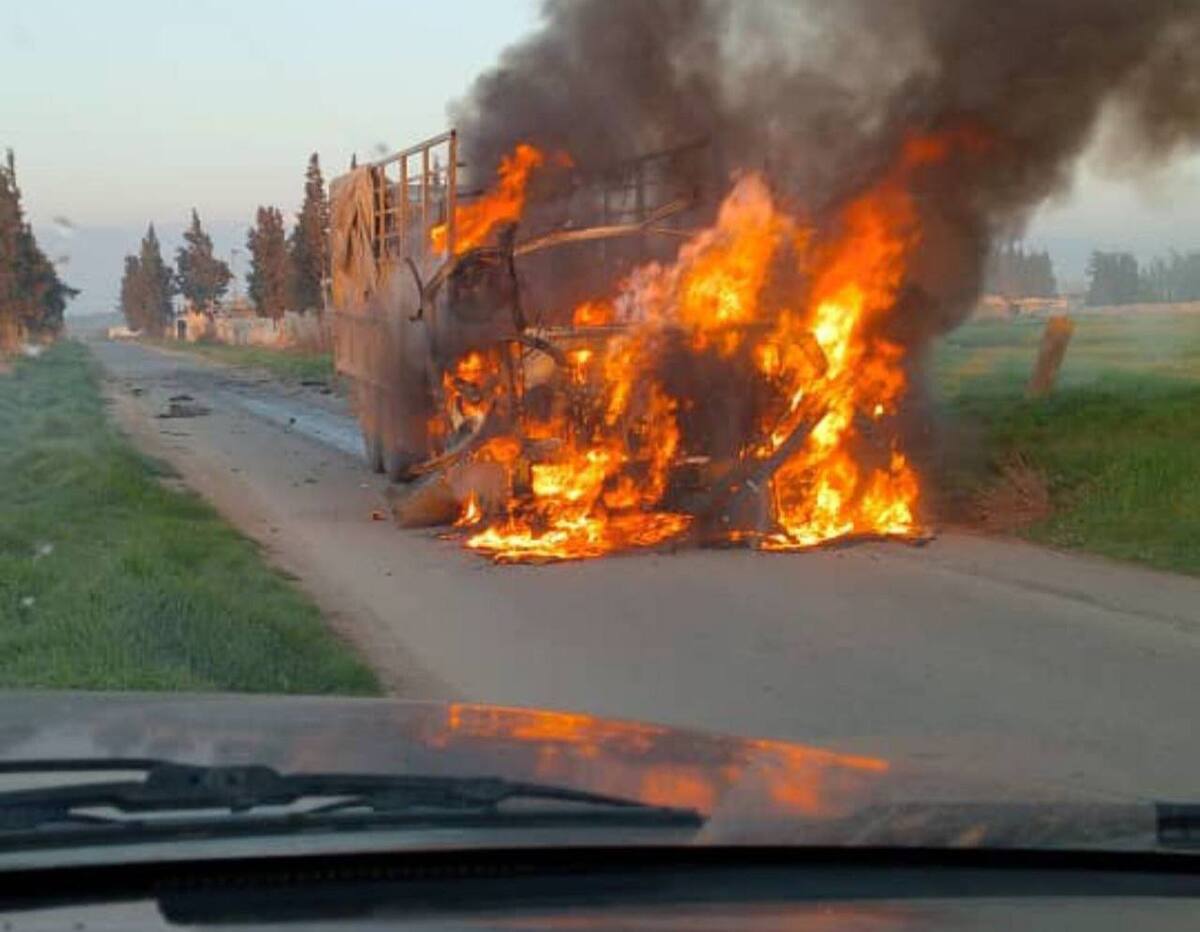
{"points": [[131, 111], [142, 108]]}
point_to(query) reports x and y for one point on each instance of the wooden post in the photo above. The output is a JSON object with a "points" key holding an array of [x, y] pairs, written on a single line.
{"points": [[377, 220], [424, 195], [383, 212], [403, 206], [1053, 348], [451, 192], [640, 190]]}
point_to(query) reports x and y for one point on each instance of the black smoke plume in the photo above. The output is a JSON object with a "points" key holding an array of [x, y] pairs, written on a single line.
{"points": [[820, 94]]}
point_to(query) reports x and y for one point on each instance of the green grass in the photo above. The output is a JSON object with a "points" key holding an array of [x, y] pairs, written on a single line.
{"points": [[111, 580], [1118, 441], [290, 365]]}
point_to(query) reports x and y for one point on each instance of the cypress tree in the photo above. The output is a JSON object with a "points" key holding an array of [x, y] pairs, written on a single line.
{"points": [[32, 296], [202, 277], [268, 278], [133, 301], [157, 286], [309, 242]]}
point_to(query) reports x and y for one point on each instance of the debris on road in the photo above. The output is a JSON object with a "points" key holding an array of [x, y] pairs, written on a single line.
{"points": [[428, 502], [184, 409]]}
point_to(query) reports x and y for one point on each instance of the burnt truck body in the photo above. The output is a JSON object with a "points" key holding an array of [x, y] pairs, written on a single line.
{"points": [[407, 306]]}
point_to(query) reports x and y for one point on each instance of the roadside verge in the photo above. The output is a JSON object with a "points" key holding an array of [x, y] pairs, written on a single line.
{"points": [[110, 578]]}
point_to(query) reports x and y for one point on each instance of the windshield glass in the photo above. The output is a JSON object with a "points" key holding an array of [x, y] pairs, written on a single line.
{"points": [[780, 416]]}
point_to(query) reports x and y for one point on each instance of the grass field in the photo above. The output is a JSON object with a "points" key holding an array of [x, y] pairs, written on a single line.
{"points": [[289, 365], [111, 580], [1118, 443]]}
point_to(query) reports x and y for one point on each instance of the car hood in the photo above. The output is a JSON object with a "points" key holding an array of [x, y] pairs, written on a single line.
{"points": [[752, 791]]}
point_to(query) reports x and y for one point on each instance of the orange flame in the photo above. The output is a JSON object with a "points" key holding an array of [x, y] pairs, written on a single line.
{"points": [[598, 493], [473, 221], [796, 312], [471, 513], [593, 314], [843, 481]]}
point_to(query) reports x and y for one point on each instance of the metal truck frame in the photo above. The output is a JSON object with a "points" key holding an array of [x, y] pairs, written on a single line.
{"points": [[403, 313]]}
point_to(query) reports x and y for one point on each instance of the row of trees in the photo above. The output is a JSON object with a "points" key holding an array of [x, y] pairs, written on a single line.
{"points": [[1016, 273], [288, 270], [1113, 277], [1117, 278], [32, 296], [285, 270]]}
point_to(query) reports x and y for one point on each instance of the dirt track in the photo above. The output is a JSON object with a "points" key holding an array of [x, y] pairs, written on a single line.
{"points": [[967, 650]]}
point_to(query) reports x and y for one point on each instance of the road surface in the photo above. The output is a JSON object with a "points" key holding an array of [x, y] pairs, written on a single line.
{"points": [[965, 652]]}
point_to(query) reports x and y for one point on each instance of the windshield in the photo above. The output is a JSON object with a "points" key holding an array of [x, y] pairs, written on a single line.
{"points": [[763, 417]]}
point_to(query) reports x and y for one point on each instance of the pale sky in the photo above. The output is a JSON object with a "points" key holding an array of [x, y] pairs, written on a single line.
{"points": [[126, 111], [121, 110]]}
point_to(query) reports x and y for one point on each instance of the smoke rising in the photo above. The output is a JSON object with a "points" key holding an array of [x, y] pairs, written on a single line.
{"points": [[821, 95]]}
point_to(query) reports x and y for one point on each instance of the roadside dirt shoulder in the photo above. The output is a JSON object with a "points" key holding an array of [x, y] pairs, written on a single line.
{"points": [[217, 454]]}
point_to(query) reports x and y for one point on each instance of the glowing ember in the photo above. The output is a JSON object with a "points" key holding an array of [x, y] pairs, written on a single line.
{"points": [[791, 319], [593, 314], [471, 512], [473, 221]]}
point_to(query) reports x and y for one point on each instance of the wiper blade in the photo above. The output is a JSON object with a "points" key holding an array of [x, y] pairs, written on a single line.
{"points": [[173, 787], [1178, 824]]}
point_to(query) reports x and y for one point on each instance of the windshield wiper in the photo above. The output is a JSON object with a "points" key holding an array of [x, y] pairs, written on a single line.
{"points": [[169, 787], [1178, 824]]}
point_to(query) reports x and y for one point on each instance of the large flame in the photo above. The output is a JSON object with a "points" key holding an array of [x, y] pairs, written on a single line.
{"points": [[502, 203], [599, 490], [847, 479], [796, 316]]}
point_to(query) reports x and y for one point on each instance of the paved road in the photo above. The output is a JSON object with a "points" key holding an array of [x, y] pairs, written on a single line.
{"points": [[986, 655]]}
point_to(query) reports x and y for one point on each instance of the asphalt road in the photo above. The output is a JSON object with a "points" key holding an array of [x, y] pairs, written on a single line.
{"points": [[970, 653]]}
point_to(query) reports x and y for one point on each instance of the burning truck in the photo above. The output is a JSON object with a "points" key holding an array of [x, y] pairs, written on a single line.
{"points": [[717, 371], [607, 341]]}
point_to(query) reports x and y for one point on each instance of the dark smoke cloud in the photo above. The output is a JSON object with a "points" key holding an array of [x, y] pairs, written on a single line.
{"points": [[819, 94]]}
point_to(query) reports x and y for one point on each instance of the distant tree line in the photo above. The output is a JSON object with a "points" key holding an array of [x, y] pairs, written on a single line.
{"points": [[286, 271], [1117, 278], [1175, 277], [32, 296], [1016, 273]]}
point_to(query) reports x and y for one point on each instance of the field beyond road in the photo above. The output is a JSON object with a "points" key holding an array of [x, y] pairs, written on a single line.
{"points": [[112, 579], [1108, 463]]}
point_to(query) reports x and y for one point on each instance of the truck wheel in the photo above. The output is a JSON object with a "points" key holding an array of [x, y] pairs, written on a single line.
{"points": [[373, 444], [397, 463]]}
